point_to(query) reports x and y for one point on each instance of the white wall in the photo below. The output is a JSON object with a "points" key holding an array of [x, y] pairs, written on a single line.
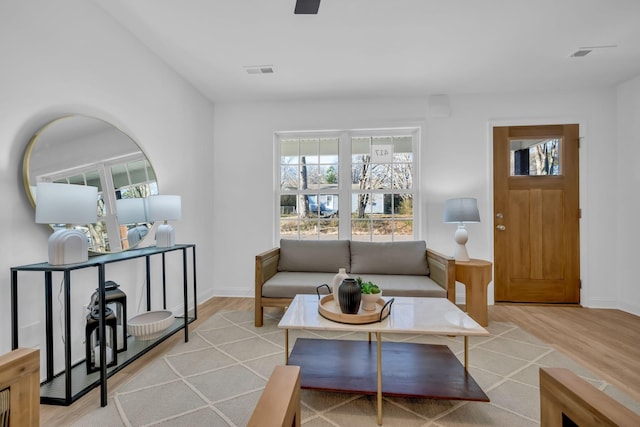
{"points": [[455, 160], [71, 57], [627, 205]]}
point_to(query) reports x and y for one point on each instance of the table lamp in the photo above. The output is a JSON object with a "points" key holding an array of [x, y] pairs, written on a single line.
{"points": [[71, 205], [133, 211], [164, 208], [461, 210]]}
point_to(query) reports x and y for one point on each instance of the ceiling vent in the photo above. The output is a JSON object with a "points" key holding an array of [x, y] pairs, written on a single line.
{"points": [[580, 53], [259, 69], [584, 51]]}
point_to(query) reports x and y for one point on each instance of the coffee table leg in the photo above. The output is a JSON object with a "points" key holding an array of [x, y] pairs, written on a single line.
{"points": [[286, 346], [466, 352], [379, 348]]}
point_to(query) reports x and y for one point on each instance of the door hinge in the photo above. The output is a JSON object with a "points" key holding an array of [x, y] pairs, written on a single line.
{"points": [[579, 283], [579, 213]]}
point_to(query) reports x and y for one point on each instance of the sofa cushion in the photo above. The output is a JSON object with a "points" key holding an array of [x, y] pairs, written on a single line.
{"points": [[402, 285], [314, 255], [389, 258], [286, 284]]}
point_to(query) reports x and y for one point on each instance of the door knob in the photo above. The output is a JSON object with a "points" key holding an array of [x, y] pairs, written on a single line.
{"points": [[499, 215], [501, 227]]}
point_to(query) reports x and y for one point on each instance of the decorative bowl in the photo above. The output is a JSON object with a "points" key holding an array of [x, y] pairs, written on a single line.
{"points": [[149, 325]]}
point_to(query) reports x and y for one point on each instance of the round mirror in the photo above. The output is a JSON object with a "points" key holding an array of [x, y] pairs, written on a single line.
{"points": [[88, 151]]}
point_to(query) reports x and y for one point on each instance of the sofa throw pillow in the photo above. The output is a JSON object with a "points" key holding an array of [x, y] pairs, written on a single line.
{"points": [[389, 258], [314, 255]]}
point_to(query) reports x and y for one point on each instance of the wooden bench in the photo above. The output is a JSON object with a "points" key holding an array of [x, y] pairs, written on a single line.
{"points": [[568, 400], [20, 374], [279, 404]]}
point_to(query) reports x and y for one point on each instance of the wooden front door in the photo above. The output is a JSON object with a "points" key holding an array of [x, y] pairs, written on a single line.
{"points": [[536, 214]]}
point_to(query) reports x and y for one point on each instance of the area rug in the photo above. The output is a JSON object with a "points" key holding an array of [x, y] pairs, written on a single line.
{"points": [[217, 377]]}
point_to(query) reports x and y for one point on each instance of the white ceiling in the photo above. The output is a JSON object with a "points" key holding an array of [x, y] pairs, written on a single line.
{"points": [[370, 48]]}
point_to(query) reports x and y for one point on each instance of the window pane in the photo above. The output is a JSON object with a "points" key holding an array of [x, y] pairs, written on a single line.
{"points": [[309, 149], [535, 157], [150, 173], [321, 205], [93, 179], [330, 176], [120, 177], [137, 172], [360, 147], [403, 176], [288, 226], [380, 176], [403, 148], [77, 179], [328, 227], [309, 229], [328, 149], [289, 176], [403, 230], [361, 229], [288, 151]]}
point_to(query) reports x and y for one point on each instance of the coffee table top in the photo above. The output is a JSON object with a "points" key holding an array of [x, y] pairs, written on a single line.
{"points": [[409, 315]]}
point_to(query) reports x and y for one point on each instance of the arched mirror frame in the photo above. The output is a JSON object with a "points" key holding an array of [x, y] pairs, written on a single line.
{"points": [[79, 149]]}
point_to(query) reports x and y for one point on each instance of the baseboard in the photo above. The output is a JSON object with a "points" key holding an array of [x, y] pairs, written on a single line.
{"points": [[630, 308]]}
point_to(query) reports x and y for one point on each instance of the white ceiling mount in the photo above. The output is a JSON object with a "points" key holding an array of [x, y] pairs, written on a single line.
{"points": [[584, 51], [259, 69]]}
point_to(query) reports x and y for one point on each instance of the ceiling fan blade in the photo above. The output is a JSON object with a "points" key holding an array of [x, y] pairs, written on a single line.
{"points": [[307, 7]]}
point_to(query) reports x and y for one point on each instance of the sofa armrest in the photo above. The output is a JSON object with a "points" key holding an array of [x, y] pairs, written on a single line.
{"points": [[442, 270], [563, 394], [279, 403], [266, 268]]}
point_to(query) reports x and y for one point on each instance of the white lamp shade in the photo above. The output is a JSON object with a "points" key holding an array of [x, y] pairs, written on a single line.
{"points": [[461, 210], [131, 211], [164, 208], [66, 204]]}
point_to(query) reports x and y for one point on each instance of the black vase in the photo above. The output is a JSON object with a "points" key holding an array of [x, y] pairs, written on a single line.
{"points": [[349, 296]]}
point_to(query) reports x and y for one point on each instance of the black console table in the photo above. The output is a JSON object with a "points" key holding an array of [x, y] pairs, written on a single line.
{"points": [[74, 382]]}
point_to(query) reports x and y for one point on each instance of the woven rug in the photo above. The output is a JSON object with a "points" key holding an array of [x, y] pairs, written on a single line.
{"points": [[217, 377]]}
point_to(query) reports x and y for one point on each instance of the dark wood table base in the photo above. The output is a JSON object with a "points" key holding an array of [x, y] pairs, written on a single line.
{"points": [[408, 369]]}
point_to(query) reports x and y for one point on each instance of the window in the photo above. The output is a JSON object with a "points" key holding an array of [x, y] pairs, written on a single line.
{"points": [[535, 157], [358, 185]]}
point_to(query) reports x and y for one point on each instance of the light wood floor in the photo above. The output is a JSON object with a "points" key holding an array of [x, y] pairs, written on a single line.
{"points": [[604, 341]]}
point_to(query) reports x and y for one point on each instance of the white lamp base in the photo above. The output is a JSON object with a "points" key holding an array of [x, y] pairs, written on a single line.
{"points": [[68, 246], [165, 236], [461, 236]]}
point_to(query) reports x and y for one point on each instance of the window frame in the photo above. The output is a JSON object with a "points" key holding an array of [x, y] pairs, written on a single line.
{"points": [[345, 191]]}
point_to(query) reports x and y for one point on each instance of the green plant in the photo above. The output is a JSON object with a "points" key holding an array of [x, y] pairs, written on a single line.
{"points": [[367, 287]]}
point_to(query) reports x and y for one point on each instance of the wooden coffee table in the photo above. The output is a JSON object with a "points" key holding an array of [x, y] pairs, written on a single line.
{"points": [[389, 368]]}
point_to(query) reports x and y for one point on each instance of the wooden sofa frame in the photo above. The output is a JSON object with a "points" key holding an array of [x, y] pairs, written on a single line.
{"points": [[564, 395], [20, 373], [279, 404], [442, 269]]}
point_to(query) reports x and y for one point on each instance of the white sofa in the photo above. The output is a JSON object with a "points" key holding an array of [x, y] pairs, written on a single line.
{"points": [[399, 268]]}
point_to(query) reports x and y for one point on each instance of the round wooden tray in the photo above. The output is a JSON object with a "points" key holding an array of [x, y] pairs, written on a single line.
{"points": [[329, 309]]}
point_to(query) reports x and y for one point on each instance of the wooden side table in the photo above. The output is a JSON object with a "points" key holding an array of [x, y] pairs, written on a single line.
{"points": [[475, 274]]}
